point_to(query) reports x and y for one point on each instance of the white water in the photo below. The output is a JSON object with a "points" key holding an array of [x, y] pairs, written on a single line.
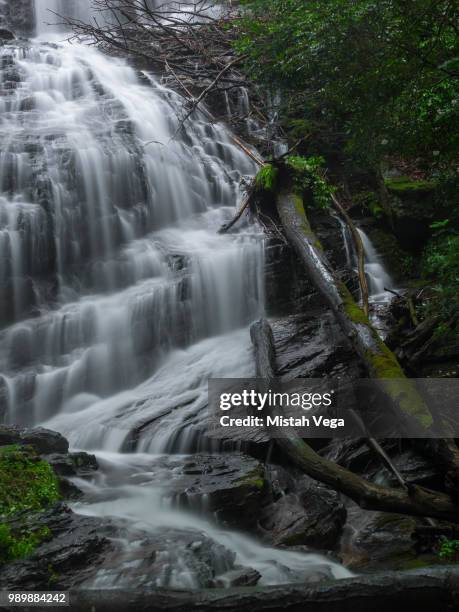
{"points": [[121, 298], [378, 278]]}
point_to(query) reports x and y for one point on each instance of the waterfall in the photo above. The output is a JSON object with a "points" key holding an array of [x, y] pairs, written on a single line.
{"points": [[119, 298], [378, 278], [48, 13]]}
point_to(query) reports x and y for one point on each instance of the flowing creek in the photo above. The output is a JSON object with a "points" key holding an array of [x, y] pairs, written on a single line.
{"points": [[122, 298]]}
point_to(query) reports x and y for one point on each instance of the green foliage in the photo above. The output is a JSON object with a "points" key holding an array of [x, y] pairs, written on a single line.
{"points": [[307, 174], [379, 75], [449, 550], [441, 264], [27, 484], [26, 481], [266, 178]]}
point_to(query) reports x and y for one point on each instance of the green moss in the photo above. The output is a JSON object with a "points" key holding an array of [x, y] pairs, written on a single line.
{"points": [[416, 563], [266, 179], [19, 545], [352, 309], [403, 184], [305, 225], [385, 367], [401, 389], [26, 481], [27, 485], [254, 480]]}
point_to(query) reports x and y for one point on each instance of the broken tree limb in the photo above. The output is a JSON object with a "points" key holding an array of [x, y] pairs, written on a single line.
{"points": [[416, 501], [379, 360], [359, 251], [244, 206], [423, 589]]}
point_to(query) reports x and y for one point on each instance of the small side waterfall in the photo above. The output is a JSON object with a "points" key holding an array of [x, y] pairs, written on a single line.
{"points": [[119, 299], [378, 278]]}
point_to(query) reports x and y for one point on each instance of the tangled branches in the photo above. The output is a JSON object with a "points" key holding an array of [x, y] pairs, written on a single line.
{"points": [[188, 41]]}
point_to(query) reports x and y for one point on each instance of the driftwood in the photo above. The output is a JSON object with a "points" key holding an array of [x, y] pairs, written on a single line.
{"points": [[421, 590], [415, 500], [379, 360]]}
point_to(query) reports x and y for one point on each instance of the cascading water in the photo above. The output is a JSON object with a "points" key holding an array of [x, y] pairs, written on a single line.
{"points": [[119, 298], [378, 278]]}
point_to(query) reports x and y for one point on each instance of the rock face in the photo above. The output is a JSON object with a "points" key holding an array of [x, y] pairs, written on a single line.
{"points": [[381, 541], [18, 16], [71, 555], [71, 545], [169, 558], [304, 513], [44, 441], [231, 487]]}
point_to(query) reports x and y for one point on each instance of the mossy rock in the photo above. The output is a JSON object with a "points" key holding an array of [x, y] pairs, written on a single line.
{"points": [[403, 185], [28, 485], [26, 481]]}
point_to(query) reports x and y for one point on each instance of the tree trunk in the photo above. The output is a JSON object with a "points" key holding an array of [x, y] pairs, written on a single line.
{"points": [[380, 362], [423, 590], [416, 501]]}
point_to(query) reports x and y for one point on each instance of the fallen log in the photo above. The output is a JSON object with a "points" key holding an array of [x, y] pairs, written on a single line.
{"points": [[423, 590], [415, 500], [379, 360]]}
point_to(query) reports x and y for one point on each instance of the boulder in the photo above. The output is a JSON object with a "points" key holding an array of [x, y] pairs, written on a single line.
{"points": [[378, 540], [72, 464], [6, 34], [314, 516], [168, 558], [73, 552], [231, 487], [44, 441]]}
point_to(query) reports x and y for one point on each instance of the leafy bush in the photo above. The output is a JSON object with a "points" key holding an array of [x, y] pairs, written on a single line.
{"points": [[307, 174], [449, 550], [441, 264], [266, 178], [378, 75]]}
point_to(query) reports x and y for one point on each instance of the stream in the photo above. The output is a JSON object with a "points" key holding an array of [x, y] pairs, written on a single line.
{"points": [[123, 300]]}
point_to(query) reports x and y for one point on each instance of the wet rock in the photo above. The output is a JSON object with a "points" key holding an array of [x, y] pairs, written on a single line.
{"points": [[6, 34], [44, 440], [232, 487], [74, 551], [378, 540], [314, 516], [72, 464], [238, 577], [9, 435], [170, 558], [18, 16]]}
